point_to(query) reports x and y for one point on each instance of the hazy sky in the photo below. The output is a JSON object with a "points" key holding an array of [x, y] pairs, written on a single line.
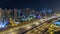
{"points": [[37, 4]]}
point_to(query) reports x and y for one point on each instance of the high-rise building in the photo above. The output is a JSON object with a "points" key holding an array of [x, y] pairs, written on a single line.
{"points": [[44, 11], [8, 13], [27, 12], [33, 12], [0, 13], [4, 13], [37, 14], [15, 14], [11, 13], [19, 14]]}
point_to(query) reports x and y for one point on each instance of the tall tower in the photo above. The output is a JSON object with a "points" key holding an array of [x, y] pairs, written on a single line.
{"points": [[11, 13], [33, 12], [4, 13], [27, 12], [0, 13], [19, 14], [8, 13], [15, 14]]}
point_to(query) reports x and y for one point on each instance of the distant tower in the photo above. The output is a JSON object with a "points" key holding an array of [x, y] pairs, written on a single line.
{"points": [[4, 13], [27, 12], [45, 12], [0, 13], [19, 14], [33, 12], [8, 13], [11, 13], [15, 14]]}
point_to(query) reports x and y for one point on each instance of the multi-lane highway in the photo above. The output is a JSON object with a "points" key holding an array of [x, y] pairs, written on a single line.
{"points": [[37, 27]]}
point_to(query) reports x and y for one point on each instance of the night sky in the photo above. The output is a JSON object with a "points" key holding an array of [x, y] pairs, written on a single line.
{"points": [[35, 4]]}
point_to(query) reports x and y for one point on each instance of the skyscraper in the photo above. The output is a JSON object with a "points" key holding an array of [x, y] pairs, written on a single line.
{"points": [[19, 14], [8, 14], [0, 13], [4, 13], [11, 13], [15, 14], [27, 12]]}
